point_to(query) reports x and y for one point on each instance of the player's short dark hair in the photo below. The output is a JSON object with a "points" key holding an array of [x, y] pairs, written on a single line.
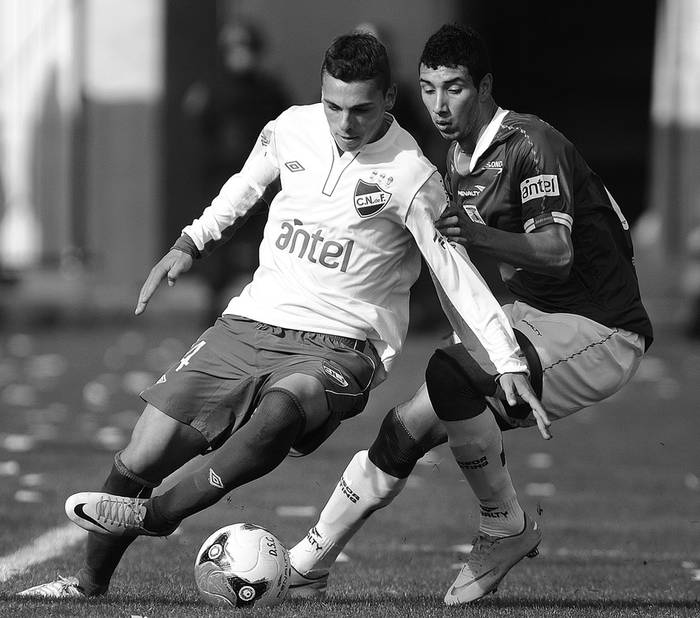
{"points": [[455, 45], [358, 57]]}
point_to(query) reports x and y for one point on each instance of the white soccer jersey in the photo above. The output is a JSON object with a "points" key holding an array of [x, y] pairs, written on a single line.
{"points": [[340, 247]]}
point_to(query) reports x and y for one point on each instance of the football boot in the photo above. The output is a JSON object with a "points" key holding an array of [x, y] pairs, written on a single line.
{"points": [[489, 561], [108, 514], [62, 588]]}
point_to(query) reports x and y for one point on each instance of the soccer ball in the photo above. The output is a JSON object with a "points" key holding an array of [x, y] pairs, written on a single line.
{"points": [[242, 565]]}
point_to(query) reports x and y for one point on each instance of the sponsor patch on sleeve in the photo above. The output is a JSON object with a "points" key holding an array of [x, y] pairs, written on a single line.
{"points": [[538, 187]]}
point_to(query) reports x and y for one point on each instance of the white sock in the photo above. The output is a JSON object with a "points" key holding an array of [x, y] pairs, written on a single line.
{"points": [[477, 444], [363, 488]]}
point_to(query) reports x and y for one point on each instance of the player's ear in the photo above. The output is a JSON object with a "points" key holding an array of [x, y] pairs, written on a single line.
{"points": [[390, 98], [486, 86]]}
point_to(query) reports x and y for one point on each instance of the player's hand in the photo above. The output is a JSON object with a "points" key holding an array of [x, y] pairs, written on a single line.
{"points": [[172, 265], [517, 389], [455, 225]]}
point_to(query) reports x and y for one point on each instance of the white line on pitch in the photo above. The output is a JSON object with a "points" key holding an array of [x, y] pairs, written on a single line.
{"points": [[49, 545]]}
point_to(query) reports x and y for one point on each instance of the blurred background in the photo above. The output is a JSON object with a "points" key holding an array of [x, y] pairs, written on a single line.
{"points": [[120, 119]]}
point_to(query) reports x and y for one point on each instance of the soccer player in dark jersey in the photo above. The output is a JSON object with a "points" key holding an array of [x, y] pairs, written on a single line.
{"points": [[522, 194]]}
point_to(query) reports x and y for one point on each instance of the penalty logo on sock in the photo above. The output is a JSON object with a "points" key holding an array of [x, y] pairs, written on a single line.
{"points": [[495, 512], [215, 479]]}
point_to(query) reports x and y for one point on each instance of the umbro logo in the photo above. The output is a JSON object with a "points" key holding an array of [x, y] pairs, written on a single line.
{"points": [[294, 166], [215, 479]]}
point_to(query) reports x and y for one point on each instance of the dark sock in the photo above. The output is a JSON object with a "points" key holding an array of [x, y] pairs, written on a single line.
{"points": [[104, 552], [257, 448]]}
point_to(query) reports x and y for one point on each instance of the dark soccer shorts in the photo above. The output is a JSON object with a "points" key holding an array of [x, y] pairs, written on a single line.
{"points": [[219, 382]]}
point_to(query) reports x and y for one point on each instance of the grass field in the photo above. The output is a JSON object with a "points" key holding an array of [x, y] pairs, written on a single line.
{"points": [[617, 493]]}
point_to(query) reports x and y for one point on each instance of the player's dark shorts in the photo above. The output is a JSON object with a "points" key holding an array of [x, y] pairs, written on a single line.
{"points": [[217, 385]]}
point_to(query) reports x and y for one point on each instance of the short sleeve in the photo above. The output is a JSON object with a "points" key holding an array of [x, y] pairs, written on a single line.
{"points": [[545, 179]]}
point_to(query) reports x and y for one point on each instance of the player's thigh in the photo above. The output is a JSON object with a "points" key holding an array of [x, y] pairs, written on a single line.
{"points": [[160, 445], [420, 420]]}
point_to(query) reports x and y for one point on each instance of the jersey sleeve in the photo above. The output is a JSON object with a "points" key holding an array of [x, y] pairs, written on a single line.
{"points": [[471, 308], [544, 173], [238, 195]]}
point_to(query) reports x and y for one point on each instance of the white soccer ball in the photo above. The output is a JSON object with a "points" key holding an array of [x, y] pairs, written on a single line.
{"points": [[243, 565]]}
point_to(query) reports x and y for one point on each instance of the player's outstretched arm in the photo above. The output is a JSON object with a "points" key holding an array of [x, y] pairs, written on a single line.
{"points": [[517, 389], [172, 265]]}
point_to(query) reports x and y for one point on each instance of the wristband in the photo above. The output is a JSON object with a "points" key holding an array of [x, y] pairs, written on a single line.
{"points": [[186, 245]]}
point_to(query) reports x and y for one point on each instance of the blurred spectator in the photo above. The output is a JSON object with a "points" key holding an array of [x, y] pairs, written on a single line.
{"points": [[230, 113]]}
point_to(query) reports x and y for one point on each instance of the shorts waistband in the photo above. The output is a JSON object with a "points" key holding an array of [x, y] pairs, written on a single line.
{"points": [[356, 344]]}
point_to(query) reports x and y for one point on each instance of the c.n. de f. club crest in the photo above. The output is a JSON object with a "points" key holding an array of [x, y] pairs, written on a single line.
{"points": [[369, 198]]}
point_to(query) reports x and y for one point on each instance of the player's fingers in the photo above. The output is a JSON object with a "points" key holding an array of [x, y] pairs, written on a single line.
{"points": [[447, 221], [509, 392], [543, 426], [144, 296], [173, 274], [540, 415], [452, 233], [148, 288]]}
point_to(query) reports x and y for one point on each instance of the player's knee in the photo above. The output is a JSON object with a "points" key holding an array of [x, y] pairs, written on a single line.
{"points": [[452, 392], [395, 450], [419, 418], [308, 395], [279, 411]]}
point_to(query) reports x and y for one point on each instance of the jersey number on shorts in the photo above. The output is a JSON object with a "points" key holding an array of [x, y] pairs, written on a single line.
{"points": [[193, 350]]}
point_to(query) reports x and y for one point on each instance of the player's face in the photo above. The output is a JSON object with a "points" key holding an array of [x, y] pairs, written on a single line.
{"points": [[453, 101], [355, 111]]}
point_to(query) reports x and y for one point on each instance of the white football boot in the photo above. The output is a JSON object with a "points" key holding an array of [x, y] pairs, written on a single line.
{"points": [[62, 588], [108, 514], [489, 561]]}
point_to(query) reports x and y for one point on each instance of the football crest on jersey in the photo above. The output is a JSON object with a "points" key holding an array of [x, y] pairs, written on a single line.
{"points": [[369, 198]]}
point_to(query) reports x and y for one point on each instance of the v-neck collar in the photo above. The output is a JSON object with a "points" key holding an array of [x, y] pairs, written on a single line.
{"points": [[486, 138]]}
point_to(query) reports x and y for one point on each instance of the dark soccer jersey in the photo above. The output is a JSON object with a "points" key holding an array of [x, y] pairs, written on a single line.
{"points": [[530, 176]]}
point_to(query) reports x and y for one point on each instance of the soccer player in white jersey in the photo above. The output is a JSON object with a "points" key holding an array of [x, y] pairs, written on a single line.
{"points": [[522, 194], [319, 325]]}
